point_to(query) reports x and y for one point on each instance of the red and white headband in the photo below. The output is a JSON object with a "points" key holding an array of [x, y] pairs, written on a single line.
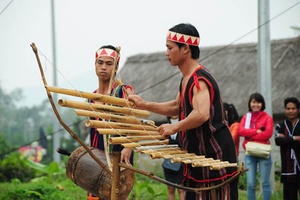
{"points": [[182, 38], [107, 52]]}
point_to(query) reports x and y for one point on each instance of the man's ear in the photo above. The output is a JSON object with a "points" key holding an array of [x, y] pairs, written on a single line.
{"points": [[186, 48]]}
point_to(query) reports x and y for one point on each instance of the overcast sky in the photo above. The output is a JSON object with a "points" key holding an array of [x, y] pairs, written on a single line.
{"points": [[137, 26]]}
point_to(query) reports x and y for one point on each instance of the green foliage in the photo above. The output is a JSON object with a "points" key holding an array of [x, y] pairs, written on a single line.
{"points": [[4, 147], [51, 170], [242, 182], [50, 182], [66, 190], [14, 166], [145, 188]]}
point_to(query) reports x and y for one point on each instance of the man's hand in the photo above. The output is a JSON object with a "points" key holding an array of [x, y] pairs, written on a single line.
{"points": [[166, 129], [136, 101], [125, 156]]}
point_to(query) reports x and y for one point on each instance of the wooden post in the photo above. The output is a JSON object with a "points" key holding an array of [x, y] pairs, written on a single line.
{"points": [[115, 185]]}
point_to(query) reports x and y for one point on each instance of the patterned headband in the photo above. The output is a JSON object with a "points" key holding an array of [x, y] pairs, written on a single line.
{"points": [[182, 38], [107, 52]]}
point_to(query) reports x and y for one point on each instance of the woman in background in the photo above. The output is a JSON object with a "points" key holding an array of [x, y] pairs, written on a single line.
{"points": [[256, 125]]}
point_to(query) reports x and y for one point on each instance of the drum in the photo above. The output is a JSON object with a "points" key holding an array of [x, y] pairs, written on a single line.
{"points": [[85, 172]]}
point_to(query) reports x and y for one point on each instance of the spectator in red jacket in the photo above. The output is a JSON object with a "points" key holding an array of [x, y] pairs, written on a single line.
{"points": [[256, 125]]}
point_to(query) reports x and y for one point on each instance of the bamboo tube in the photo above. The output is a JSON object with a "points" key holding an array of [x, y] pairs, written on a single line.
{"points": [[187, 157], [169, 156], [177, 155], [149, 151], [189, 161], [163, 153], [103, 108], [220, 166], [118, 125], [88, 95], [140, 144], [125, 132], [203, 162], [112, 117], [129, 139], [154, 148]]}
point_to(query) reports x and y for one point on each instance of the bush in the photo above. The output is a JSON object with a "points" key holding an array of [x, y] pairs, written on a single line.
{"points": [[14, 166]]}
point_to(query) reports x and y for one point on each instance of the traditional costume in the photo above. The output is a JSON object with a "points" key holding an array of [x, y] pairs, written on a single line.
{"points": [[212, 139], [290, 157]]}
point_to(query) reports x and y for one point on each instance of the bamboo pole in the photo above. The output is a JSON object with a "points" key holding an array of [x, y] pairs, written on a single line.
{"points": [[112, 117], [125, 132], [88, 95], [118, 125], [103, 108]]}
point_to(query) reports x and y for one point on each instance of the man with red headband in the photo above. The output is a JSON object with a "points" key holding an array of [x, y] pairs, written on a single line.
{"points": [[106, 66], [202, 127]]}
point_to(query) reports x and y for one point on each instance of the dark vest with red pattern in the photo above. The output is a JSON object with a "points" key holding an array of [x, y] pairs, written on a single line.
{"points": [[213, 138]]}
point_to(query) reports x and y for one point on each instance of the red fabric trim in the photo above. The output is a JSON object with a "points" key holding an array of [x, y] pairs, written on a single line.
{"points": [[214, 179], [197, 84], [211, 91], [129, 86]]}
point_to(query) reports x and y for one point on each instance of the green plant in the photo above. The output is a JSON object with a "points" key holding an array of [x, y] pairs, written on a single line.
{"points": [[49, 170], [145, 188], [14, 166]]}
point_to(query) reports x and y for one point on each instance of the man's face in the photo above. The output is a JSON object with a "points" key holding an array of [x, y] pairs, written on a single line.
{"points": [[291, 111], [173, 53], [104, 67]]}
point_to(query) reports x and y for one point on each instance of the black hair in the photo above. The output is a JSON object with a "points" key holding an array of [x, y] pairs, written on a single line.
{"points": [[232, 114], [259, 98], [292, 100], [187, 29]]}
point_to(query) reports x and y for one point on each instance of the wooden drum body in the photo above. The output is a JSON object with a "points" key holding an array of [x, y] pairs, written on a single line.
{"points": [[85, 172]]}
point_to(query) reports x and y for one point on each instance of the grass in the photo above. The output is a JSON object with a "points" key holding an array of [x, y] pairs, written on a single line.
{"points": [[56, 185], [67, 190]]}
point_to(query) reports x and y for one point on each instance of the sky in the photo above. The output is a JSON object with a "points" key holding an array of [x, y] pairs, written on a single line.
{"points": [[81, 27]]}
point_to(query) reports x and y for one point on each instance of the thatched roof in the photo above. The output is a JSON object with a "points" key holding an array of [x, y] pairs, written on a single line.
{"points": [[235, 68]]}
